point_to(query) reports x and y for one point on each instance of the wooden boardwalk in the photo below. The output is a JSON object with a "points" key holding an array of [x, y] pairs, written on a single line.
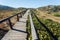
{"points": [[19, 30]]}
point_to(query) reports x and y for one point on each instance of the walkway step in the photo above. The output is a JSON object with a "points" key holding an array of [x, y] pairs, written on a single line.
{"points": [[19, 30]]}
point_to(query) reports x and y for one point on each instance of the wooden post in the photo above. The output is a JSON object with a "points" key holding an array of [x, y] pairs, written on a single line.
{"points": [[17, 18], [10, 23]]}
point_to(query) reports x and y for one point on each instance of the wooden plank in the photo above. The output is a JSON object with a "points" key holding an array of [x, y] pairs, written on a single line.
{"points": [[19, 30]]}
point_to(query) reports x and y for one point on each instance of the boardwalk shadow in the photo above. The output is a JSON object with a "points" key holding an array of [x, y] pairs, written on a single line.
{"points": [[3, 30], [19, 30]]}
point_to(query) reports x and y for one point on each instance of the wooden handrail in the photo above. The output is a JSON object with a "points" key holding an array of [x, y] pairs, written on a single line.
{"points": [[33, 30], [8, 18]]}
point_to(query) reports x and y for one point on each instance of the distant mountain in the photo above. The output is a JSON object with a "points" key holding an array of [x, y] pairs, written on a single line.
{"points": [[2, 7]]}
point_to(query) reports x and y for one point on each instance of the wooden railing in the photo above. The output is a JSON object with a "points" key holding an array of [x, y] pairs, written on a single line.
{"points": [[8, 18], [33, 30]]}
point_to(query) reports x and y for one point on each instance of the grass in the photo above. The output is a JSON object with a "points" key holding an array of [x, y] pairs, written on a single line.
{"points": [[29, 37], [53, 26], [41, 31], [57, 15]]}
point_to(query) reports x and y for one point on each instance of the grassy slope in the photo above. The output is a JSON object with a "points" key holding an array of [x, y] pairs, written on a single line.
{"points": [[54, 26]]}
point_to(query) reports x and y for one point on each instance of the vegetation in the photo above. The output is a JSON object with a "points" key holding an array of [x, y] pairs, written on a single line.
{"points": [[41, 31], [53, 26], [57, 15], [50, 8], [29, 37]]}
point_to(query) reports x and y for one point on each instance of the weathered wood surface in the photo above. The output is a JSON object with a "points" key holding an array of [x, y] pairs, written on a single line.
{"points": [[19, 30]]}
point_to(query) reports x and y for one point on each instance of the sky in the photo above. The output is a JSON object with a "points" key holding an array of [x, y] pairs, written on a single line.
{"points": [[29, 3]]}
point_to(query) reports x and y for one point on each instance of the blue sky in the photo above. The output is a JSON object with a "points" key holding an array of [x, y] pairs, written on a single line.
{"points": [[29, 3]]}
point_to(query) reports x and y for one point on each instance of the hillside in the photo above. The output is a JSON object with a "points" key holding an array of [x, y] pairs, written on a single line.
{"points": [[50, 17], [50, 8], [2, 7], [6, 11]]}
